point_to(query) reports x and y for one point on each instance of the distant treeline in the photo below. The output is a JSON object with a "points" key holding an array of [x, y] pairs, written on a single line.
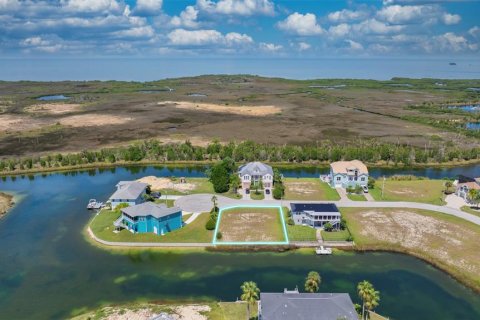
{"points": [[369, 151]]}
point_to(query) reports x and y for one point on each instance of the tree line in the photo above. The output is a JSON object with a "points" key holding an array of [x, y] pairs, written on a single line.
{"points": [[370, 151]]}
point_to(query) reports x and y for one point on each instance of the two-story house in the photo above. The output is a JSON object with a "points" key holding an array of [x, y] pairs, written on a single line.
{"points": [[150, 217], [345, 174], [131, 192], [315, 215], [253, 172], [464, 184]]}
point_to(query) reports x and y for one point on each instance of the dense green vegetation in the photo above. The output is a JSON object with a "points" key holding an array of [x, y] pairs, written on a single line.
{"points": [[368, 151]]}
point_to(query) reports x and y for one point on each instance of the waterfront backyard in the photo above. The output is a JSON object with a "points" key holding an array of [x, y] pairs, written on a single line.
{"points": [[46, 255]]}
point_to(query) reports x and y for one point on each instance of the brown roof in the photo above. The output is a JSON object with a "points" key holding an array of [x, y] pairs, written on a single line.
{"points": [[470, 185], [343, 166]]}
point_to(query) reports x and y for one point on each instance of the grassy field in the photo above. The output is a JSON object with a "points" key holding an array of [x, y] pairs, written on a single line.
{"points": [[102, 227], [341, 235], [308, 189], [471, 210], [445, 241], [356, 197], [252, 224], [211, 310], [169, 203], [427, 191], [109, 113]]}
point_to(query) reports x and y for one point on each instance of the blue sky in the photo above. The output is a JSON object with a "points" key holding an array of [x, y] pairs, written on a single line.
{"points": [[239, 28]]}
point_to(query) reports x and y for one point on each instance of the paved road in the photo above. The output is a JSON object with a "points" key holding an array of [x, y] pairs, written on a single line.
{"points": [[203, 203]]}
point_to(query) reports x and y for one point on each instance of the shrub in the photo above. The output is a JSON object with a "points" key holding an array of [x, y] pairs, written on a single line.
{"points": [[219, 235], [290, 221], [350, 238], [210, 225], [358, 189], [371, 183], [328, 227], [349, 189]]}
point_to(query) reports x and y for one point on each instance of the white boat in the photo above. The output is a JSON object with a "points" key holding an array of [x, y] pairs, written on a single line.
{"points": [[322, 250], [93, 204]]}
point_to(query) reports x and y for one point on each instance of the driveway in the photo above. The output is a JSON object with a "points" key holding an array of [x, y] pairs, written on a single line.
{"points": [[454, 201], [203, 203]]}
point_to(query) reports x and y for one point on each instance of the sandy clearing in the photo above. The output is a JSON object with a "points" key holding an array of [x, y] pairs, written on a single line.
{"points": [[247, 227], [301, 187], [93, 120], [158, 183], [53, 108], [187, 312], [258, 111], [16, 123]]}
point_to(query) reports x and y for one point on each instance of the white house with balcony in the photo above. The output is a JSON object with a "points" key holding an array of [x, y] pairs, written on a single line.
{"points": [[345, 174], [253, 172]]}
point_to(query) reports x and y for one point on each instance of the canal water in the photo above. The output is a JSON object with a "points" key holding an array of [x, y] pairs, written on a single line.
{"points": [[49, 271]]}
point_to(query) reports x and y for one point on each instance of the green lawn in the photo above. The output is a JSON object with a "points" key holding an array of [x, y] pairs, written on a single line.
{"points": [[259, 196], [102, 227], [427, 191], [341, 235], [356, 197], [308, 189], [169, 203], [471, 210], [301, 233]]}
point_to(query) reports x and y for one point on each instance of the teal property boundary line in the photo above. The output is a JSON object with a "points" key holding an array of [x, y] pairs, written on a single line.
{"points": [[251, 243]]}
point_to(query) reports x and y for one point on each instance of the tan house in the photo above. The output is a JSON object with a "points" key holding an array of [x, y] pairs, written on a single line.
{"points": [[464, 184], [253, 172], [345, 174]]}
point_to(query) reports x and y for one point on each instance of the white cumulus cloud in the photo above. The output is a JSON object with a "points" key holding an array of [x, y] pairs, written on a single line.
{"points": [[301, 24], [187, 18], [189, 38], [148, 7], [91, 5], [237, 7], [346, 15], [270, 47]]}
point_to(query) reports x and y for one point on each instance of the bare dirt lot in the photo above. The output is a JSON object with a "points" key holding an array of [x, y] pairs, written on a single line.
{"points": [[210, 107], [237, 108], [158, 183], [6, 202], [53, 108], [251, 225], [448, 242]]}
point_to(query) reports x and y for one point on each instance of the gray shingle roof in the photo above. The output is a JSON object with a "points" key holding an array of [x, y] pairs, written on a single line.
{"points": [[255, 168], [307, 306], [129, 190], [150, 209]]}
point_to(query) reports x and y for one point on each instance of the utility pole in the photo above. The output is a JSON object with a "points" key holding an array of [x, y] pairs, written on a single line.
{"points": [[383, 186]]}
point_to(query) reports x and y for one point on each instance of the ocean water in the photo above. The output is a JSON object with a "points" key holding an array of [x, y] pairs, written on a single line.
{"points": [[148, 69]]}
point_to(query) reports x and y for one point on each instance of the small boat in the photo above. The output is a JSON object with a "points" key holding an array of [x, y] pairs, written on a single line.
{"points": [[323, 251], [94, 204], [453, 63]]}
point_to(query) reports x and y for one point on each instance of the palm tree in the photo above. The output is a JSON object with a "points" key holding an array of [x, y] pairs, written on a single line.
{"points": [[214, 201], [312, 282], [363, 289], [250, 294], [370, 297], [235, 182], [448, 186], [474, 197], [373, 299]]}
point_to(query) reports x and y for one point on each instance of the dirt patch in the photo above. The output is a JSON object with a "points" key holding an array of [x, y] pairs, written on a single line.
{"points": [[157, 183], [257, 111], [305, 188], [53, 108], [188, 312], [245, 226], [16, 123], [6, 202], [452, 244], [93, 120]]}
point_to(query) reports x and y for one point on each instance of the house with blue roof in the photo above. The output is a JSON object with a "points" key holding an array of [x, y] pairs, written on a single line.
{"points": [[131, 192], [150, 217]]}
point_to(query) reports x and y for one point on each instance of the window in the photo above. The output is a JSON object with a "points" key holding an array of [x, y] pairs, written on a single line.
{"points": [[339, 178], [362, 179]]}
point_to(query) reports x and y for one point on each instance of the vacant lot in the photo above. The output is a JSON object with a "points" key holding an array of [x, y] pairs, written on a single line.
{"points": [[237, 108], [428, 191], [147, 311], [309, 189], [102, 227], [251, 225], [448, 242]]}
